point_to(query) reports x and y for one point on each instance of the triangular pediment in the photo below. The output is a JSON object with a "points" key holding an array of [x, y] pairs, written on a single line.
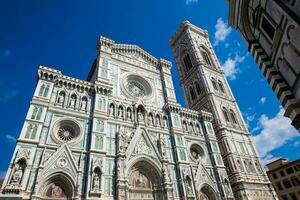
{"points": [[141, 144], [202, 176], [134, 52], [61, 161]]}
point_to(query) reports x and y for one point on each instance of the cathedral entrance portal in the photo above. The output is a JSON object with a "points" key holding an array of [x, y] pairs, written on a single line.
{"points": [[207, 193], [57, 187], [144, 182]]}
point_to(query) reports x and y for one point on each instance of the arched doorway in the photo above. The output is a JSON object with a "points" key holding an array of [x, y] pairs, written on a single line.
{"points": [[207, 193], [145, 182], [57, 187]]}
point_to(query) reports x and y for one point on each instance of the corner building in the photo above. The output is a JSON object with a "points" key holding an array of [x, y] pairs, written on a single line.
{"points": [[271, 32], [122, 135]]}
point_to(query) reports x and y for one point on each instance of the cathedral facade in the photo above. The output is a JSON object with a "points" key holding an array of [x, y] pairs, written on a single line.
{"points": [[121, 135]]}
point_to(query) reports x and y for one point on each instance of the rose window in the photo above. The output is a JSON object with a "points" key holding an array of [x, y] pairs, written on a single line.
{"points": [[136, 86], [66, 133], [66, 130], [197, 152], [136, 89]]}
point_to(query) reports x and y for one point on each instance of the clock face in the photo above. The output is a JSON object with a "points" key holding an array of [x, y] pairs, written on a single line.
{"points": [[137, 87]]}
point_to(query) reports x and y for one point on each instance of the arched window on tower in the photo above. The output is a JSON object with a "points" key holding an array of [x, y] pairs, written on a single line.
{"points": [[233, 117], [225, 113], [187, 62], [221, 86], [214, 83], [206, 57], [198, 89], [192, 93]]}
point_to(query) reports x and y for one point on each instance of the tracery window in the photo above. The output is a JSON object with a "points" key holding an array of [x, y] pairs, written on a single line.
{"points": [[136, 88], [31, 131], [102, 103], [66, 133], [36, 113], [206, 57], [192, 93], [221, 86], [225, 113], [214, 83], [187, 62], [233, 117], [98, 142], [176, 121], [198, 89], [44, 90], [99, 125]]}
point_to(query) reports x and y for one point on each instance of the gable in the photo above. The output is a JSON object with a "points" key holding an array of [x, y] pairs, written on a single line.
{"points": [[141, 144], [61, 161]]}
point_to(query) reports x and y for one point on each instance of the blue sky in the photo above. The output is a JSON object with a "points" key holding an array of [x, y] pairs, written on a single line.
{"points": [[63, 35]]}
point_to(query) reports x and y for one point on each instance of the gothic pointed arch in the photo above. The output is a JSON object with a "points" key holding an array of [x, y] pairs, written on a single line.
{"points": [[61, 97], [198, 88], [141, 113], [18, 171], [192, 93], [144, 178], [221, 86], [205, 55], [207, 192], [214, 83], [112, 108], [186, 60], [57, 186]]}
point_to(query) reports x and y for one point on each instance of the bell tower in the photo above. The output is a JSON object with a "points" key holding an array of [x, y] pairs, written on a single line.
{"points": [[206, 88]]}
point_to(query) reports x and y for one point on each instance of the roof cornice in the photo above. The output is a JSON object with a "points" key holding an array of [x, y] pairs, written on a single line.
{"points": [[134, 49], [186, 25]]}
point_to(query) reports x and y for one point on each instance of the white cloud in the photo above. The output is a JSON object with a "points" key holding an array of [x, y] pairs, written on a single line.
{"points": [[268, 159], [263, 100], [222, 31], [250, 118], [10, 138], [274, 133], [187, 2], [230, 67]]}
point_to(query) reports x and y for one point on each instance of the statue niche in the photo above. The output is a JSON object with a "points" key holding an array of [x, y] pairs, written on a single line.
{"points": [[61, 98], [141, 114], [73, 99], [96, 186], [83, 103], [18, 172], [128, 114]]}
